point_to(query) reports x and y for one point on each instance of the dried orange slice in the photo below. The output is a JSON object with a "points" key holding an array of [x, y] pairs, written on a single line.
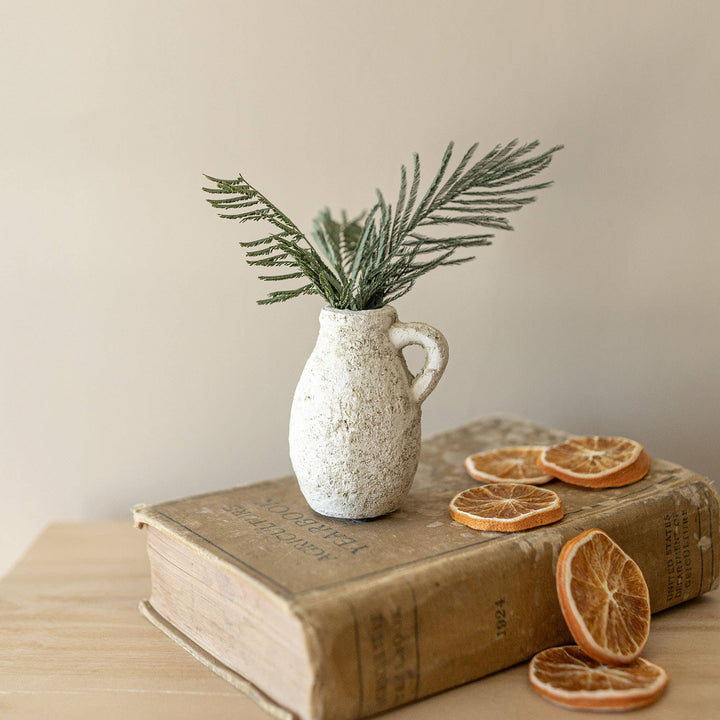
{"points": [[603, 597], [506, 507], [510, 464], [596, 461], [566, 675]]}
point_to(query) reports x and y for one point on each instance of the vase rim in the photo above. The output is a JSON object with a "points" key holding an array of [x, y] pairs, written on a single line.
{"points": [[385, 309]]}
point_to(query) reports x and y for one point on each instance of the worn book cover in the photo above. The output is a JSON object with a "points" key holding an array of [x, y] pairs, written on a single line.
{"points": [[383, 612]]}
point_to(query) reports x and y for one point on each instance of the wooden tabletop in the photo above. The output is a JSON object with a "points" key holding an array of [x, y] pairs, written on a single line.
{"points": [[73, 645]]}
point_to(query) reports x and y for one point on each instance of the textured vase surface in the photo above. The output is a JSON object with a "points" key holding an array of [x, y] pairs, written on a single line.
{"points": [[355, 419]]}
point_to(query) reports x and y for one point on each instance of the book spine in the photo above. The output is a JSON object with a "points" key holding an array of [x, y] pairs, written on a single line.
{"points": [[421, 630]]}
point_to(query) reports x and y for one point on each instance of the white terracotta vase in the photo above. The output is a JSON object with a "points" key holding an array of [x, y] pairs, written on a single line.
{"points": [[355, 419]]}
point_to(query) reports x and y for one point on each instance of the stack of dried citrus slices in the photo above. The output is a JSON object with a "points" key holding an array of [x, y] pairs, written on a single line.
{"points": [[595, 462], [508, 502], [591, 461], [606, 604]]}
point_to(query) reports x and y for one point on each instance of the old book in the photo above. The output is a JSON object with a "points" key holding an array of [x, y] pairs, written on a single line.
{"points": [[320, 618]]}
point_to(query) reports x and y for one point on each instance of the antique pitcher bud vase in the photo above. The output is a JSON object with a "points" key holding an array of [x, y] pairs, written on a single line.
{"points": [[355, 419]]}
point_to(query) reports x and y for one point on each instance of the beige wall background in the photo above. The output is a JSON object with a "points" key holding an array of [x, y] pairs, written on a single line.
{"points": [[135, 365]]}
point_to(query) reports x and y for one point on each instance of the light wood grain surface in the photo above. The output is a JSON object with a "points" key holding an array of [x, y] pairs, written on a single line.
{"points": [[73, 645]]}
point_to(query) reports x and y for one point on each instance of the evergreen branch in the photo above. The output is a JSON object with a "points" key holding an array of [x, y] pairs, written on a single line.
{"points": [[260, 214], [266, 250], [426, 202], [267, 240], [275, 261], [446, 245], [485, 220], [281, 249], [463, 200], [329, 244], [286, 276], [412, 199], [400, 207], [426, 239], [458, 171], [227, 205], [377, 257], [507, 191], [283, 295]]}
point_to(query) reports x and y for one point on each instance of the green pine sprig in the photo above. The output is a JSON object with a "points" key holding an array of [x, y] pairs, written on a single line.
{"points": [[376, 258], [287, 247]]}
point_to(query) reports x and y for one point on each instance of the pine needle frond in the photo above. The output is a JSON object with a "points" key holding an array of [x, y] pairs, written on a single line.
{"points": [[377, 257], [480, 194], [288, 248]]}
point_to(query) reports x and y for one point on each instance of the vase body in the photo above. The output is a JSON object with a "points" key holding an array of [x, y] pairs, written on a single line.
{"points": [[355, 419]]}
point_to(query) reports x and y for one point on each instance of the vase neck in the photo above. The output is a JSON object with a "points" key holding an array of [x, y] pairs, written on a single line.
{"points": [[361, 321]]}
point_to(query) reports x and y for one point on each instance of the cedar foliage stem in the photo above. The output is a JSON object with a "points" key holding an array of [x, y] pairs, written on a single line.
{"points": [[374, 259]]}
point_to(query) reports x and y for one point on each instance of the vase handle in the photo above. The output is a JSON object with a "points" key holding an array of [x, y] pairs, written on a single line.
{"points": [[436, 354]]}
